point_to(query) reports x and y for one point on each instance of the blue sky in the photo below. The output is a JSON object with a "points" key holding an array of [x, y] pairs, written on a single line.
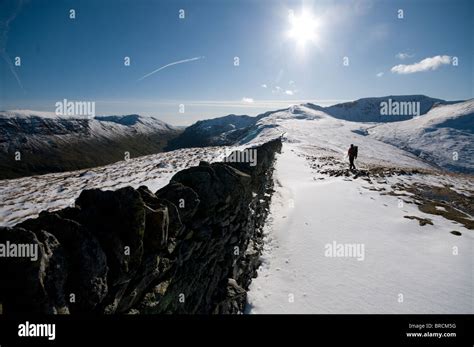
{"points": [[83, 58]]}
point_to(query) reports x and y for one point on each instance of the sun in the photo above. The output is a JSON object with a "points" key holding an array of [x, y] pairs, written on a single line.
{"points": [[304, 28]]}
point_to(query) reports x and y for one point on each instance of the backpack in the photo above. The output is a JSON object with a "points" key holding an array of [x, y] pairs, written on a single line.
{"points": [[356, 149]]}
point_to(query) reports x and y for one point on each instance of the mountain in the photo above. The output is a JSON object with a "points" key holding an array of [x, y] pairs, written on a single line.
{"points": [[342, 242], [444, 136], [44, 142], [362, 117], [369, 109], [232, 128], [216, 132], [335, 240]]}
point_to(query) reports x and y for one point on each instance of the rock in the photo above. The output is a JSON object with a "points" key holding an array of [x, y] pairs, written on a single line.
{"points": [[184, 198], [156, 229], [32, 284], [175, 226], [85, 258], [214, 184], [234, 302], [192, 247], [117, 220], [421, 221]]}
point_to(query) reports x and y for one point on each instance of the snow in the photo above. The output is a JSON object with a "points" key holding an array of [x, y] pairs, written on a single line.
{"points": [[143, 124], [37, 130], [401, 257], [311, 209], [316, 129], [25, 198], [436, 136], [27, 114], [368, 109]]}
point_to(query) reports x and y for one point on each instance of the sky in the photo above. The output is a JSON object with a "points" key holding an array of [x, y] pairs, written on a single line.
{"points": [[220, 56]]}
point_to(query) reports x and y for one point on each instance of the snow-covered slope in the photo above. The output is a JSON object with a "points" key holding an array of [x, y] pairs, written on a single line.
{"points": [[317, 129], [404, 267], [27, 123], [405, 228], [218, 131], [413, 220], [368, 109], [444, 136], [50, 143], [139, 123], [24, 198], [22, 113], [234, 129]]}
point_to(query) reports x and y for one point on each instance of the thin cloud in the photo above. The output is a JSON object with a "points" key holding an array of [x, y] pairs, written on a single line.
{"points": [[380, 74], [403, 56], [4, 29], [170, 64], [12, 68], [264, 104], [247, 100], [264, 85], [426, 64], [289, 92]]}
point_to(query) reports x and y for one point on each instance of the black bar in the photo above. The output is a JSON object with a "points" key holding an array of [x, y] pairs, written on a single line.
{"points": [[154, 330]]}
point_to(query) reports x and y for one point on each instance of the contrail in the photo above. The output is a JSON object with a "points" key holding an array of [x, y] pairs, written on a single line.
{"points": [[12, 69], [170, 64], [4, 28]]}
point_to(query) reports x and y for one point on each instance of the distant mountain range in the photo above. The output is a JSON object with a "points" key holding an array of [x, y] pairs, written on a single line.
{"points": [[444, 136], [230, 129], [33, 142], [47, 143], [441, 131], [369, 109]]}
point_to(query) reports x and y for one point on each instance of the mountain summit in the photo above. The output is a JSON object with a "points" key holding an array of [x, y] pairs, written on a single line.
{"points": [[33, 142]]}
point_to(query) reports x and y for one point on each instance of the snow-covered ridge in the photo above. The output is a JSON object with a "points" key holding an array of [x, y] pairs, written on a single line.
{"points": [[311, 211], [51, 143], [26, 197], [369, 109], [443, 136], [114, 122], [232, 129], [27, 114], [431, 139]]}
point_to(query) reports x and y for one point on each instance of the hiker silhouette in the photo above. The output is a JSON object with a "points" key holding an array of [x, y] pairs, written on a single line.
{"points": [[352, 153]]}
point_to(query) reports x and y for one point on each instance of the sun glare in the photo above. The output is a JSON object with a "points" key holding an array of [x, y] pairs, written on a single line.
{"points": [[303, 28]]}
